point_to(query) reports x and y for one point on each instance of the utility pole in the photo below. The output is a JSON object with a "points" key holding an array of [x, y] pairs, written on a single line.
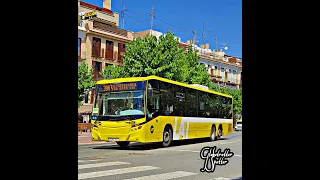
{"points": [[122, 14], [194, 36], [151, 24], [217, 44], [202, 31]]}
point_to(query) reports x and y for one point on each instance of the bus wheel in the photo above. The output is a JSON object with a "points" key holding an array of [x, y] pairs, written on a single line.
{"points": [[213, 133], [167, 137], [123, 144], [219, 132]]}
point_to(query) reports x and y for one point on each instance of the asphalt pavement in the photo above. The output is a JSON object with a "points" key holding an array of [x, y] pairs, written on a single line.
{"points": [[148, 162]]}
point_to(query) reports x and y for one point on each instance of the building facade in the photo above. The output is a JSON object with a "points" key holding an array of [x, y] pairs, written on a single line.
{"points": [[224, 70], [100, 41], [81, 43]]}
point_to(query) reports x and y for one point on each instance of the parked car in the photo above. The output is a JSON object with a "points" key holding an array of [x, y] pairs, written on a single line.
{"points": [[238, 126]]}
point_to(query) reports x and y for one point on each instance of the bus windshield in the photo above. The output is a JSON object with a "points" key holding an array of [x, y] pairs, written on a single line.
{"points": [[120, 103]]}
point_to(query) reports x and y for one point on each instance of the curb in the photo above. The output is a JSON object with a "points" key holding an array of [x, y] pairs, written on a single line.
{"points": [[97, 143]]}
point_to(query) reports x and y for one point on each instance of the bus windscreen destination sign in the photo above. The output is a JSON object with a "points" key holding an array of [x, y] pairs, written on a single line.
{"points": [[132, 86]]}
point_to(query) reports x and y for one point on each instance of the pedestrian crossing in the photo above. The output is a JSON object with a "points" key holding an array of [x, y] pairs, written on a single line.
{"points": [[93, 169]]}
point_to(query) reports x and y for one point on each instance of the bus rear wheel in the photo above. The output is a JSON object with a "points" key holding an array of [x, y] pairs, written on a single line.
{"points": [[123, 144], [213, 133], [219, 132], [167, 137]]}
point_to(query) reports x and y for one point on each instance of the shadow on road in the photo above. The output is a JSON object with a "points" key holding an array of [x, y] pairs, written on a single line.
{"points": [[150, 146]]}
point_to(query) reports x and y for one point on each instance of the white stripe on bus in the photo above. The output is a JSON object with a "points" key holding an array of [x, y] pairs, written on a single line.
{"points": [[165, 176], [115, 172], [188, 120]]}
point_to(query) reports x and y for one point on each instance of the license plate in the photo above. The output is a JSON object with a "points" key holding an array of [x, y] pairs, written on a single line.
{"points": [[113, 139]]}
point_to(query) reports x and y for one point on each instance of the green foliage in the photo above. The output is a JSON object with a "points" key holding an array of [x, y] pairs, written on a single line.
{"points": [[162, 57], [237, 99], [85, 81]]}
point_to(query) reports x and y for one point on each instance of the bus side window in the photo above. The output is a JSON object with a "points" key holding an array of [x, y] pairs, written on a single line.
{"points": [[214, 105], [166, 99], [191, 103], [228, 109], [202, 104], [179, 102]]}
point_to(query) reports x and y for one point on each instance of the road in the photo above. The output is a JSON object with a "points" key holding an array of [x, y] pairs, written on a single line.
{"points": [[147, 162]]}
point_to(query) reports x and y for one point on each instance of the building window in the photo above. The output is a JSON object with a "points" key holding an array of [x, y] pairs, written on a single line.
{"points": [[214, 71], [229, 75], [79, 47], [121, 48], [97, 69], [109, 49], [222, 73], [234, 72], [96, 47], [240, 79]]}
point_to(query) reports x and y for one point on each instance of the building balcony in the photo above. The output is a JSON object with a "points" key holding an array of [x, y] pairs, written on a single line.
{"points": [[105, 27], [229, 81], [218, 58], [99, 27], [102, 13], [215, 76], [102, 55]]}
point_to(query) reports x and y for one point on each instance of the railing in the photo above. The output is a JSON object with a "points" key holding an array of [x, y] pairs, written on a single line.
{"points": [[84, 126], [215, 75], [230, 81], [96, 7]]}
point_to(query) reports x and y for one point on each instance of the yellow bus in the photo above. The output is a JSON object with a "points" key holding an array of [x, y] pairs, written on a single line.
{"points": [[155, 109]]}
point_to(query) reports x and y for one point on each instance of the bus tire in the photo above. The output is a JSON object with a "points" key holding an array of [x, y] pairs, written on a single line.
{"points": [[167, 137], [123, 144], [219, 132], [213, 133]]}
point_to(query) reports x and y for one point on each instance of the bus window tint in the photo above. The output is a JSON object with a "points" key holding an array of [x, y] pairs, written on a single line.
{"points": [[229, 108], [179, 101], [166, 98], [203, 106], [155, 99], [191, 103], [214, 105]]}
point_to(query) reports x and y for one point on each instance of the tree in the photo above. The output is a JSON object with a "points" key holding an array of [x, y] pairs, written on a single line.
{"points": [[85, 81], [162, 57], [237, 99]]}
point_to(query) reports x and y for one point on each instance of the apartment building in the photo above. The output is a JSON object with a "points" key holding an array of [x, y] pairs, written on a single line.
{"points": [[224, 70], [100, 41]]}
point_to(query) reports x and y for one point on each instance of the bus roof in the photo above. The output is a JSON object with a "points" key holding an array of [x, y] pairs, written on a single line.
{"points": [[135, 79]]}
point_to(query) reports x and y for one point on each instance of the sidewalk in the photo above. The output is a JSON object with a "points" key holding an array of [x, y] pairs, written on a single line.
{"points": [[85, 139]]}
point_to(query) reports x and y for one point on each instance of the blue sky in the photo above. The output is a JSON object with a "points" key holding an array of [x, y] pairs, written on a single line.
{"points": [[221, 18]]}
